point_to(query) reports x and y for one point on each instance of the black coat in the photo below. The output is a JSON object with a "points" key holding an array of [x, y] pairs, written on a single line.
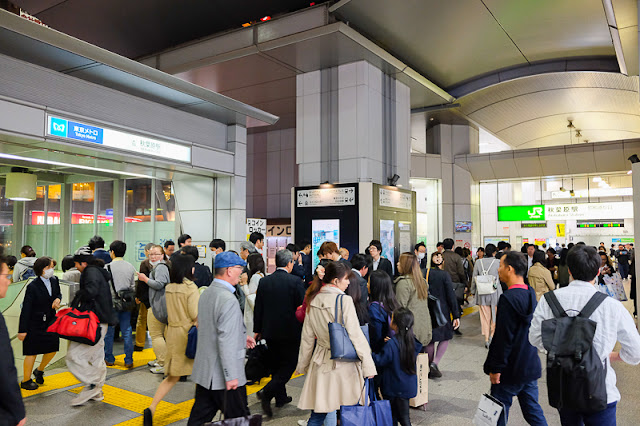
{"points": [[307, 264], [94, 294], [298, 270], [385, 265], [364, 292], [440, 286], [277, 299], [11, 405], [142, 289], [36, 315]]}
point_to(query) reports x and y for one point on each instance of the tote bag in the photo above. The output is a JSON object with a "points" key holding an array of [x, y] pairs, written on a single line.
{"points": [[376, 413], [342, 348], [488, 412]]}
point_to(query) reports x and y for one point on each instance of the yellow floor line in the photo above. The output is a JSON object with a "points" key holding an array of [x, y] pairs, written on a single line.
{"points": [[470, 310], [139, 359], [57, 381]]}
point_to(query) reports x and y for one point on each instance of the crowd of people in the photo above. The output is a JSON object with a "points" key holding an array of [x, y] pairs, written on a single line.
{"points": [[386, 310]]}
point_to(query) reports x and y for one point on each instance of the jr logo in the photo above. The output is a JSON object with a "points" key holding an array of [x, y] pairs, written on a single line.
{"points": [[535, 213], [58, 127]]}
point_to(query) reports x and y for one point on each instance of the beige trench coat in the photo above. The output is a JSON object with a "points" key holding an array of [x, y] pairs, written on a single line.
{"points": [[182, 307], [330, 384], [407, 296], [540, 280]]}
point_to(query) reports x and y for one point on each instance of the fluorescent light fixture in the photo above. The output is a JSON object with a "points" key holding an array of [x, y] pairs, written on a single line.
{"points": [[630, 172], [597, 179], [59, 163]]}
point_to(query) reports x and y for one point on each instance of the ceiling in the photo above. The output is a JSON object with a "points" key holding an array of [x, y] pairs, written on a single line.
{"points": [[517, 69]]}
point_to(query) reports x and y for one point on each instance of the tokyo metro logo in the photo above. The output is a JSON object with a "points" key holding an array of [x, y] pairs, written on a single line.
{"points": [[57, 127]]}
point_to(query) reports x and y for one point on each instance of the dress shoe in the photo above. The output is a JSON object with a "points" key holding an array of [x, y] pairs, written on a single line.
{"points": [[129, 366], [29, 385], [110, 364], [265, 403], [148, 417], [457, 331], [280, 404], [39, 375], [434, 371]]}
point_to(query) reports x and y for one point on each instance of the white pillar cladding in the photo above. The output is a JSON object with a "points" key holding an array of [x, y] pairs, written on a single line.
{"points": [[231, 193], [352, 125], [460, 193]]}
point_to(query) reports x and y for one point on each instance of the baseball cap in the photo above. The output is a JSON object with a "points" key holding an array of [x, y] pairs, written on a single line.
{"points": [[227, 259], [83, 254]]}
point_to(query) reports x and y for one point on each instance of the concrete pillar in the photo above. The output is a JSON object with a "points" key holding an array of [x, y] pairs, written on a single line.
{"points": [[352, 125], [460, 193]]}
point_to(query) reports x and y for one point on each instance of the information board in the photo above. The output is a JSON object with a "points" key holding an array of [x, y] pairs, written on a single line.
{"points": [[326, 197], [394, 199]]}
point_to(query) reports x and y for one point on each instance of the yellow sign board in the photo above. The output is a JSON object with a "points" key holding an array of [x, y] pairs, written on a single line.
{"points": [[560, 230]]}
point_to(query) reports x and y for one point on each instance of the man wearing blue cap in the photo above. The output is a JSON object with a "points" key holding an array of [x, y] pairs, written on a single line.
{"points": [[222, 342]]}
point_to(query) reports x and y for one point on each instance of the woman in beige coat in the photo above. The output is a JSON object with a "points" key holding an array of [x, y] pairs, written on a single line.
{"points": [[539, 276], [330, 384], [412, 292], [182, 308]]}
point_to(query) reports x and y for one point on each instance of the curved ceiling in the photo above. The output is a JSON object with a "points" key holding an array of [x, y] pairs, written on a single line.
{"points": [[534, 111]]}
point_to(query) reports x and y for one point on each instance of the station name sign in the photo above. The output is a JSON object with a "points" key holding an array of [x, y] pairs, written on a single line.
{"points": [[577, 211], [77, 131]]}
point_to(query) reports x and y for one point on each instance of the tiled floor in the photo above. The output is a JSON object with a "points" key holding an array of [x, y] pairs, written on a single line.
{"points": [[452, 399]]}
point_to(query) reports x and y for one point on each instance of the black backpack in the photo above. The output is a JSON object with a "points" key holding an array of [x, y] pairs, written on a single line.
{"points": [[575, 373]]}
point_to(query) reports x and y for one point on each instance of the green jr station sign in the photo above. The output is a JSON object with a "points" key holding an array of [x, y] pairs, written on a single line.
{"points": [[520, 213]]}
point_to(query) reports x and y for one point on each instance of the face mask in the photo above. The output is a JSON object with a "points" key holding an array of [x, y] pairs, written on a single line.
{"points": [[421, 256], [48, 273]]}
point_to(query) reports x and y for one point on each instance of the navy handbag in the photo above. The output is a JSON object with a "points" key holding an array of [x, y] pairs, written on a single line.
{"points": [[342, 348], [192, 342], [372, 413]]}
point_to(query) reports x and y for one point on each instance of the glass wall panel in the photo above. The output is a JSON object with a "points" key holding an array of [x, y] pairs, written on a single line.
{"points": [[53, 224], [82, 217], [137, 228], [6, 222], [105, 211], [427, 211], [165, 212], [34, 222]]}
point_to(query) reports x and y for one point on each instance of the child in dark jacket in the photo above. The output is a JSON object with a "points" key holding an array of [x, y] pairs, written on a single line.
{"points": [[397, 360]]}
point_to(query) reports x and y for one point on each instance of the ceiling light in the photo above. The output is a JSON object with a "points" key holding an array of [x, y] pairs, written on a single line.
{"points": [[597, 179], [630, 172], [573, 194], [393, 180], [570, 125], [21, 185], [265, 18], [246, 24]]}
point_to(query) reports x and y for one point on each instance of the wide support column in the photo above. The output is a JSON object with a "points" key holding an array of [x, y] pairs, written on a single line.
{"points": [[352, 125]]}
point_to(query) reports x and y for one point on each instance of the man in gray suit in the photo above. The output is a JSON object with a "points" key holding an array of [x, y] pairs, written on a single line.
{"points": [[222, 343]]}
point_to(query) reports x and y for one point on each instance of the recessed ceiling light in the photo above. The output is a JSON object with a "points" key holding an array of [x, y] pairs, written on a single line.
{"points": [[597, 179]]}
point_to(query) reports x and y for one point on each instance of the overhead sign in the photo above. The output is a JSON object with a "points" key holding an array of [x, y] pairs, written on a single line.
{"points": [[326, 197], [256, 225], [395, 199], [67, 129], [590, 211], [520, 213]]}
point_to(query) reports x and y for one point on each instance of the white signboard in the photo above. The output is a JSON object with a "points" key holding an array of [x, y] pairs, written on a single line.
{"points": [[325, 197], [256, 225], [395, 199], [589, 211]]}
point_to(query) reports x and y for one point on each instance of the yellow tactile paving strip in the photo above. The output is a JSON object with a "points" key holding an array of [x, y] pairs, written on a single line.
{"points": [[57, 381], [139, 359]]}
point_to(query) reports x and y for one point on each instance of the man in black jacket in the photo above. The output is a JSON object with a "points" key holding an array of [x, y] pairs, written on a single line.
{"points": [[512, 363], [277, 299], [298, 268], [305, 254], [379, 262], [11, 405], [361, 263], [86, 362]]}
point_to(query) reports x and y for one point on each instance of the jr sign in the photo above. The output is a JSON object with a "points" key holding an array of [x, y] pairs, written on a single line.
{"points": [[520, 213]]}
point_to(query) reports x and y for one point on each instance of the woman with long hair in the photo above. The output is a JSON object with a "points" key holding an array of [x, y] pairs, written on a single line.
{"points": [[398, 364], [563, 269], [257, 271], [440, 286], [330, 384], [487, 303], [412, 293], [539, 276], [355, 292], [182, 298], [382, 304]]}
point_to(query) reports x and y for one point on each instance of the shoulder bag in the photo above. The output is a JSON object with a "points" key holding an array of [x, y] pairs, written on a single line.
{"points": [[124, 300], [77, 326], [342, 348], [438, 319], [486, 283]]}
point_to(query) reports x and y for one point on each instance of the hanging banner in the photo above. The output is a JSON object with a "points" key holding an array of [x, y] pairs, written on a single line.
{"points": [[560, 230]]}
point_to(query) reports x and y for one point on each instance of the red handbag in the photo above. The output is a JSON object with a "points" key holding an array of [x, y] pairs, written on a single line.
{"points": [[77, 326], [301, 312]]}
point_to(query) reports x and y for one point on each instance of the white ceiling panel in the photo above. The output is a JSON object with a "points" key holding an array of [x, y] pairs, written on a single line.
{"points": [[581, 159]]}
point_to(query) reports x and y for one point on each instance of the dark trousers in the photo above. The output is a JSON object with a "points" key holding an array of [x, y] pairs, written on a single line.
{"points": [[282, 358], [208, 402], [527, 394], [606, 417], [623, 268], [399, 411]]}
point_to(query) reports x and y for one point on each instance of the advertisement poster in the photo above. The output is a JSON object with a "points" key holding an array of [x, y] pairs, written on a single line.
{"points": [[323, 230], [387, 238], [404, 229], [464, 226]]}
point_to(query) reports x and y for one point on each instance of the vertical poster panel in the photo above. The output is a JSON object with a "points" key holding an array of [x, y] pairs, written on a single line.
{"points": [[387, 238], [323, 230], [404, 229]]}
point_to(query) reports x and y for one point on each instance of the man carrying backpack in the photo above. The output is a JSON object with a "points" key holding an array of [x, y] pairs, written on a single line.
{"points": [[512, 363], [578, 326]]}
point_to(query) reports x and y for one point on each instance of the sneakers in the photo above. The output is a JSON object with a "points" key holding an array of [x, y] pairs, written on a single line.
{"points": [[39, 375], [434, 372], [29, 385], [88, 393], [302, 422], [153, 363], [157, 370], [98, 397]]}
